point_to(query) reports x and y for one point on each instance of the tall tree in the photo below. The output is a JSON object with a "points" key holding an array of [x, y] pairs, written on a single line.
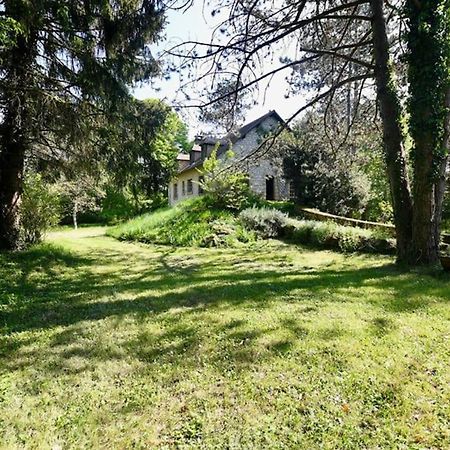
{"points": [[334, 47], [64, 65], [327, 176], [149, 159], [429, 109]]}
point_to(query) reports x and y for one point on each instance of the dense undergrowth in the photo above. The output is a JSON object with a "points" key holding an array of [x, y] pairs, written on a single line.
{"points": [[197, 222], [333, 236]]}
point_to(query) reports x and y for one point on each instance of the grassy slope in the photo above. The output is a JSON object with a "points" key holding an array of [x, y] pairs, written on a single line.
{"points": [[190, 223], [113, 345]]}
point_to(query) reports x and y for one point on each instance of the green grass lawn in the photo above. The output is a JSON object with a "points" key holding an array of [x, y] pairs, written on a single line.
{"points": [[106, 344]]}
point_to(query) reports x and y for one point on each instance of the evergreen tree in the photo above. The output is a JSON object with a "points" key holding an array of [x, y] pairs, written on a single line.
{"points": [[65, 69]]}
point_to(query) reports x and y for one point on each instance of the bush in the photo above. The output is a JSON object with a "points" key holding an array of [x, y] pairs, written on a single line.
{"points": [[331, 235], [120, 204], [116, 205], [264, 221], [379, 211], [224, 187], [40, 209], [287, 207]]}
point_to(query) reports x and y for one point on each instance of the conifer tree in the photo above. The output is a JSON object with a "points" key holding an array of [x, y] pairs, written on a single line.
{"points": [[65, 67]]}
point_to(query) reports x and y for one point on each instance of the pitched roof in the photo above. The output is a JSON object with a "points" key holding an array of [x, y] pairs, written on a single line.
{"points": [[197, 163], [213, 140], [241, 132], [249, 126], [231, 137]]}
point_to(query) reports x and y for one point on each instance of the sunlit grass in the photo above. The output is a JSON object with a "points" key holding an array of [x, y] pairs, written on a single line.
{"points": [[116, 345]]}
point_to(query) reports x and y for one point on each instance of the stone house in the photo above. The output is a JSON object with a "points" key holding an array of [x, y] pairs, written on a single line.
{"points": [[265, 172]]}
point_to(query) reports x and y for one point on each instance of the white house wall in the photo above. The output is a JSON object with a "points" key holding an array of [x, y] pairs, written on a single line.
{"points": [[193, 175]]}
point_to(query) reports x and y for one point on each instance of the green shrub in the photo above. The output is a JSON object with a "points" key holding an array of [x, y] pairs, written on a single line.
{"points": [[40, 209], [352, 239], [332, 235], [120, 204], [324, 233], [264, 221], [226, 233], [225, 187], [117, 205], [301, 232], [379, 211], [287, 207]]}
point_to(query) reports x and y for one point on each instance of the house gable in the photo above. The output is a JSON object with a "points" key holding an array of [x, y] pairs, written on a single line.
{"points": [[252, 134], [265, 174]]}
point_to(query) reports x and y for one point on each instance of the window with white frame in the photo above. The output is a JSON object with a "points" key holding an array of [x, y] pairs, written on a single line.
{"points": [[183, 187], [189, 187], [175, 191]]}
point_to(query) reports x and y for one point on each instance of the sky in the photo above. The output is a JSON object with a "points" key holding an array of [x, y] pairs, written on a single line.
{"points": [[196, 24]]}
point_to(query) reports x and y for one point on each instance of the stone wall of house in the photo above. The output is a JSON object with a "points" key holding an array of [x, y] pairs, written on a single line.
{"points": [[260, 171], [262, 167]]}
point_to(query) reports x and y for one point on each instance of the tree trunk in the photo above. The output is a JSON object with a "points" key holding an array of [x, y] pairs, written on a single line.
{"points": [[74, 216], [441, 184], [14, 141], [428, 199], [428, 77], [11, 173], [393, 135]]}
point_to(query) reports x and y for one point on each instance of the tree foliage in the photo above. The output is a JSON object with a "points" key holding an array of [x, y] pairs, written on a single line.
{"points": [[329, 179], [225, 186], [229, 108], [130, 170], [145, 159], [40, 209], [66, 68]]}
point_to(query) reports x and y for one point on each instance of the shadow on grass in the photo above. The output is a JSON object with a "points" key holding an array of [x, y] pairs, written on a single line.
{"points": [[55, 299], [43, 257], [48, 287]]}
